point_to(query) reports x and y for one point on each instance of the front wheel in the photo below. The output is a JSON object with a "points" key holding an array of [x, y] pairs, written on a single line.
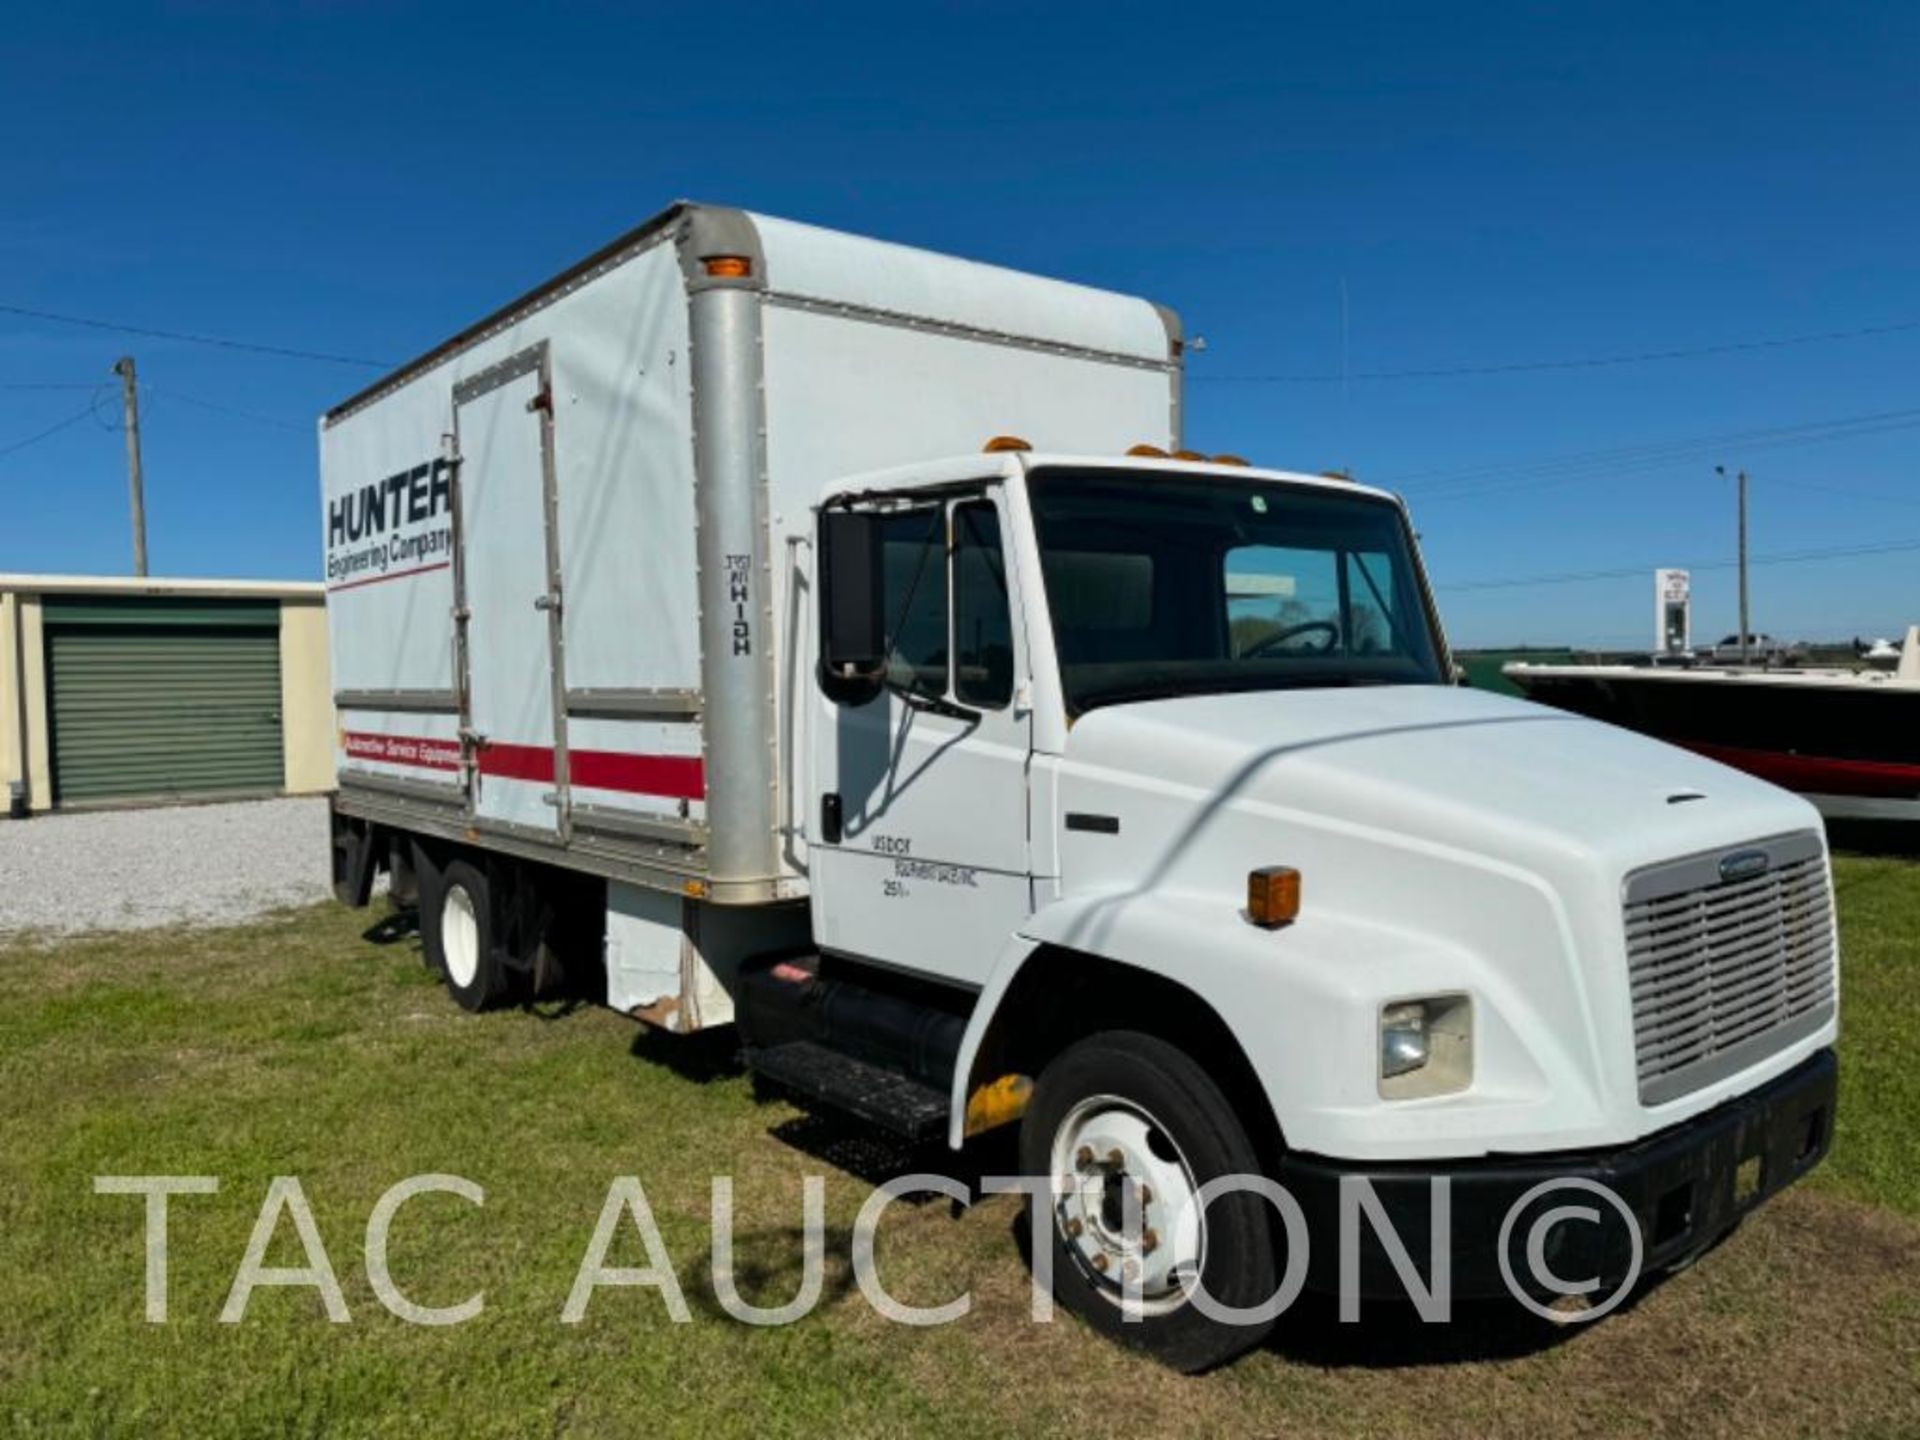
{"points": [[1129, 1129]]}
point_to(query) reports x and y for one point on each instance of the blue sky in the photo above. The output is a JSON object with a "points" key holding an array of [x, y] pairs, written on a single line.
{"points": [[1488, 185]]}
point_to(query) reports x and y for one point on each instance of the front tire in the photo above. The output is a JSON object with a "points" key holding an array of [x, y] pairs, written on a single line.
{"points": [[456, 929], [1129, 1128]]}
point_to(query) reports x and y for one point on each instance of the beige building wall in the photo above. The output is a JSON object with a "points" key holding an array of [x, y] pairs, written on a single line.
{"points": [[39, 761], [306, 697], [13, 760]]}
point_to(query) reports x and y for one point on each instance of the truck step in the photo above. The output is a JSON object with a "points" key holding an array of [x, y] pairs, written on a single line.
{"points": [[906, 1107]]}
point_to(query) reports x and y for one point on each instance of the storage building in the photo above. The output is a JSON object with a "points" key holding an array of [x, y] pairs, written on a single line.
{"points": [[121, 691]]}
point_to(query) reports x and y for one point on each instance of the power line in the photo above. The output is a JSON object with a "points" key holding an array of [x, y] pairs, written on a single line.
{"points": [[50, 430], [1619, 453], [1696, 455], [1790, 557], [1586, 362], [218, 341], [1626, 460], [167, 393], [1879, 497]]}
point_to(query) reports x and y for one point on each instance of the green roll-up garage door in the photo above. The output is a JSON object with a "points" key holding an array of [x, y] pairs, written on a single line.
{"points": [[153, 698]]}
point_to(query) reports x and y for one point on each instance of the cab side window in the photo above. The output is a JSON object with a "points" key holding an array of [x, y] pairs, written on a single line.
{"points": [[982, 616], [914, 553]]}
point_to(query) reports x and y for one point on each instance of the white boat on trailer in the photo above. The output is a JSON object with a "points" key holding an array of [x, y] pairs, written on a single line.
{"points": [[1848, 740]]}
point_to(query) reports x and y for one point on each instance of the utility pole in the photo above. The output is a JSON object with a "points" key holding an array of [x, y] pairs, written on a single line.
{"points": [[130, 400], [1744, 631]]}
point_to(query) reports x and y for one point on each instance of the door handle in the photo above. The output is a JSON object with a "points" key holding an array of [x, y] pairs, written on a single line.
{"points": [[830, 818]]}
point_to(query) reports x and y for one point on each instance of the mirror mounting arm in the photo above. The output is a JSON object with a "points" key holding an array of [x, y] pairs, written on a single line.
{"points": [[939, 705]]}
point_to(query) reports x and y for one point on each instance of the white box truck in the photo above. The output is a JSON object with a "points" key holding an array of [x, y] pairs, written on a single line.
{"points": [[834, 640]]}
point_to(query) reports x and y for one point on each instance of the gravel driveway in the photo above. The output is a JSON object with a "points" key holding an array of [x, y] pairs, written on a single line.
{"points": [[181, 864]]}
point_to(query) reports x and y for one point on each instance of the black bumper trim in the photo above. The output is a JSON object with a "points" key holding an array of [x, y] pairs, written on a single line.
{"points": [[1686, 1186]]}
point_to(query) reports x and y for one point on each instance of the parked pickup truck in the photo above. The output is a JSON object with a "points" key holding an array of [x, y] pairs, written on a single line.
{"points": [[835, 640]]}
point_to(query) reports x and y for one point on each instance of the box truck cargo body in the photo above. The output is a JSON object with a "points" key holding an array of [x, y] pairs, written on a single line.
{"points": [[636, 444], [835, 640]]}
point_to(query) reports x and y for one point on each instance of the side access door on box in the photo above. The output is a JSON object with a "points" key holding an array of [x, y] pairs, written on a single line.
{"points": [[507, 586]]}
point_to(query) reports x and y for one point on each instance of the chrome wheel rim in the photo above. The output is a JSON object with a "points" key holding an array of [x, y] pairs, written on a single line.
{"points": [[1126, 1205]]}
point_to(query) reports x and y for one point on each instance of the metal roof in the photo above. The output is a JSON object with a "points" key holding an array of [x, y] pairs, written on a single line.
{"points": [[162, 585]]}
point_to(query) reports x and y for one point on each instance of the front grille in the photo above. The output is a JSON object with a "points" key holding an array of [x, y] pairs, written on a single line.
{"points": [[1727, 971]]}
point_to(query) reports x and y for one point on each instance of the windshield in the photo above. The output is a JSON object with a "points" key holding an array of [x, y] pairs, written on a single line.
{"points": [[1166, 585]]}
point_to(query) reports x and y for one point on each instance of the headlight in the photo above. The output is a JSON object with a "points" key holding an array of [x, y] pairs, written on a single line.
{"points": [[1404, 1043], [1426, 1046]]}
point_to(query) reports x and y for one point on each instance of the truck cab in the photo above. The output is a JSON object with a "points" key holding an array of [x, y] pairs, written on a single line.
{"points": [[1159, 764]]}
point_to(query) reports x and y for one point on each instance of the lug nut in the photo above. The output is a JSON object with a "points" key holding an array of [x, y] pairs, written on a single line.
{"points": [[1130, 1271], [1083, 1157], [1074, 1228], [1115, 1160], [1149, 1241], [1100, 1263], [1146, 1195]]}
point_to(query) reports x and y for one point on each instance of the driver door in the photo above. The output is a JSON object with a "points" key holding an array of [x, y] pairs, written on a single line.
{"points": [[917, 847]]}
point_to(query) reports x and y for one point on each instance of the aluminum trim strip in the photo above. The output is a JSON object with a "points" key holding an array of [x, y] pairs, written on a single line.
{"points": [[899, 319], [634, 704], [410, 702]]}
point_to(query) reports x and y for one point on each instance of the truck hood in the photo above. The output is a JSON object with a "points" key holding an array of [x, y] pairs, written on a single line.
{"points": [[1461, 768], [1448, 841]]}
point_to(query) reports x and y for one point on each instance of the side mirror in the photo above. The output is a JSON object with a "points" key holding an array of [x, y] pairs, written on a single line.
{"points": [[853, 642]]}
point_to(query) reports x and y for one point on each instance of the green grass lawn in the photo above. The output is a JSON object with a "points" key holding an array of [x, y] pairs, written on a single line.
{"points": [[298, 1046]]}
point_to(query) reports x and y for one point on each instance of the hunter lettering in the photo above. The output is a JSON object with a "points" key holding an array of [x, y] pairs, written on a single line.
{"points": [[403, 521]]}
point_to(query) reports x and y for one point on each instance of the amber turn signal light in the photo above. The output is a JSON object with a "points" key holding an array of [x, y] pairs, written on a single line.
{"points": [[1273, 895], [728, 267]]}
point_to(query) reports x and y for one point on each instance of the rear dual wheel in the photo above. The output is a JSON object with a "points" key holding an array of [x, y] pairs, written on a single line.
{"points": [[457, 932]]}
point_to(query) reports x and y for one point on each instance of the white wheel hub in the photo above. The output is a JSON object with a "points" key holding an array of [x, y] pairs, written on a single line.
{"points": [[1126, 1204], [460, 936]]}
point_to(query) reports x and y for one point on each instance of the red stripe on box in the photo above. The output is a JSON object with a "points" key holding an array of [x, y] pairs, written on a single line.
{"points": [[675, 777]]}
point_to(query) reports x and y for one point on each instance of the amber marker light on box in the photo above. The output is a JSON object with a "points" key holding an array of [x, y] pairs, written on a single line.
{"points": [[1273, 896], [728, 267]]}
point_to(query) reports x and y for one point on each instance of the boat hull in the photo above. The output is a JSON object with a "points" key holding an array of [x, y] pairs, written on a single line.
{"points": [[1850, 746]]}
